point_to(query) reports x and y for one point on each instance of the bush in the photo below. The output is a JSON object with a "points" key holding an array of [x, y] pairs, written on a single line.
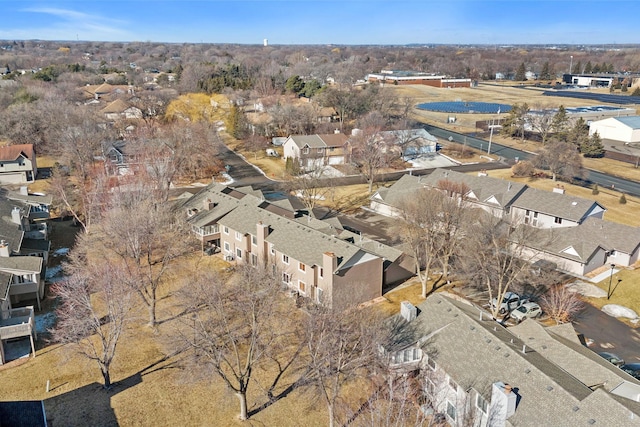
{"points": [[595, 190], [523, 168], [623, 200]]}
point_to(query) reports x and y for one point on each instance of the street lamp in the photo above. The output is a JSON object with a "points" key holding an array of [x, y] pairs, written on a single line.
{"points": [[571, 65], [610, 278]]}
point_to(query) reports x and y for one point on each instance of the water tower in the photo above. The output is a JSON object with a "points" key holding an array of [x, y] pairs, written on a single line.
{"points": [[265, 42]]}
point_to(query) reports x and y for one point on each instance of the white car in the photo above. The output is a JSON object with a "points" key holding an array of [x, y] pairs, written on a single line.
{"points": [[529, 310]]}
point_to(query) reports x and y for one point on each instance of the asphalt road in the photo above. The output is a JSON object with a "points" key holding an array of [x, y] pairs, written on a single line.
{"points": [[510, 154], [608, 334]]}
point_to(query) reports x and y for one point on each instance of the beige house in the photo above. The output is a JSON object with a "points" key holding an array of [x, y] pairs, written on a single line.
{"points": [[119, 109], [314, 151], [18, 164], [324, 268]]}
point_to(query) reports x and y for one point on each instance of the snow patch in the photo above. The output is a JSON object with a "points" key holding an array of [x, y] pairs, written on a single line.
{"points": [[61, 252], [586, 289], [615, 310], [53, 273], [44, 322]]}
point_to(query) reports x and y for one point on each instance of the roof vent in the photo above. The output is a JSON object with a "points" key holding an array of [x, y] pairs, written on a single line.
{"points": [[549, 388]]}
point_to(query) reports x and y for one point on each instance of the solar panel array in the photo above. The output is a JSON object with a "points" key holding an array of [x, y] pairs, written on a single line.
{"points": [[600, 97], [465, 107]]}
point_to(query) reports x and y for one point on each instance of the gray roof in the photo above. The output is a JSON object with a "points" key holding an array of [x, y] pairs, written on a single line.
{"points": [[632, 121], [32, 199], [21, 263], [556, 204], [477, 352], [399, 190], [319, 141], [293, 238], [9, 230], [485, 190], [585, 239], [413, 134], [5, 281]]}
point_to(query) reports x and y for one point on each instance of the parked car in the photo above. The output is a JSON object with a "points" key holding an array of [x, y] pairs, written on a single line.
{"points": [[510, 302], [528, 310], [613, 358], [632, 369]]}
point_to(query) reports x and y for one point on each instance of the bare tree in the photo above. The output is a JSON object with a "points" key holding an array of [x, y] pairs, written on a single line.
{"points": [[542, 121], [94, 308], [561, 159], [369, 148], [341, 348], [561, 304], [145, 234], [419, 232], [495, 256], [311, 187], [241, 325]]}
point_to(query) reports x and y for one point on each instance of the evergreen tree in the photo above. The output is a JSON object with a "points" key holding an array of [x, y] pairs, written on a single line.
{"points": [[545, 74], [623, 200], [560, 123], [521, 73], [579, 133], [595, 190], [588, 68], [592, 147], [577, 69], [294, 85]]}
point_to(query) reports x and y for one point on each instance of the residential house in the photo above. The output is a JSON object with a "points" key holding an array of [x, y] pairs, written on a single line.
{"points": [[313, 151], [553, 209], [477, 372], [296, 243], [410, 143], [587, 246], [119, 110], [324, 268], [22, 268], [490, 194], [18, 164]]}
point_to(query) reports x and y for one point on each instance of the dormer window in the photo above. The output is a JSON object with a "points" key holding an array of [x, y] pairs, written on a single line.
{"points": [[305, 150]]}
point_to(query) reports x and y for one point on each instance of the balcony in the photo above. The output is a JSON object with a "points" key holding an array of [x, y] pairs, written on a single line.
{"points": [[20, 323]]}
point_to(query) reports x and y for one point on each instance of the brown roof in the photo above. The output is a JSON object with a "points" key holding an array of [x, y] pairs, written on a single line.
{"points": [[117, 106], [334, 139], [12, 152]]}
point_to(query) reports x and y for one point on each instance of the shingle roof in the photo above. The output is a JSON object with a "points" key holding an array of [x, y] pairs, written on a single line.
{"points": [[117, 106], [295, 239], [22, 263], [12, 152], [320, 141], [477, 352], [556, 204]]}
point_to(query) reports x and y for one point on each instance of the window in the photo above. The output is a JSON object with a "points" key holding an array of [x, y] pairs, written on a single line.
{"points": [[285, 259], [302, 267], [302, 286], [286, 278], [431, 363], [239, 253], [558, 220], [254, 260], [305, 150], [225, 229], [321, 272], [481, 403], [272, 249], [453, 384], [319, 294], [319, 150], [254, 240], [451, 411], [238, 235], [227, 248]]}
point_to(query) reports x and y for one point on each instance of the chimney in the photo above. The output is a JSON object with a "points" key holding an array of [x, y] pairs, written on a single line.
{"points": [[408, 311], [503, 403], [16, 215], [208, 205], [329, 262], [4, 249], [558, 189], [336, 131], [24, 191], [262, 231]]}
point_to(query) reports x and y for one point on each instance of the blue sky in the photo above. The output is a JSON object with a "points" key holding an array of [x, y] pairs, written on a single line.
{"points": [[325, 21]]}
